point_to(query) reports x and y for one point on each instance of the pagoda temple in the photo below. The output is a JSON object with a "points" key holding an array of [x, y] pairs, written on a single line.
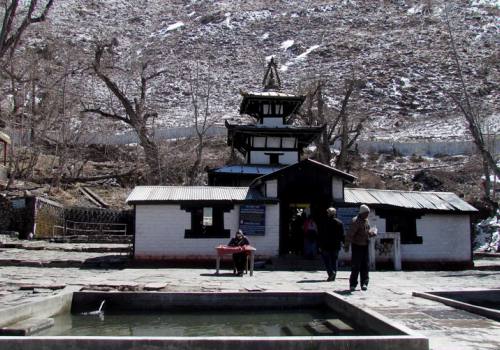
{"points": [[270, 143], [271, 193]]}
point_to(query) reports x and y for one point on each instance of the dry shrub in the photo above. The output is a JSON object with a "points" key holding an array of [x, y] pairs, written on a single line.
{"points": [[369, 179]]}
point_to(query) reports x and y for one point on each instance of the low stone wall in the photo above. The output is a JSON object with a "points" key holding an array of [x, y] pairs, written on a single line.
{"points": [[5, 214]]}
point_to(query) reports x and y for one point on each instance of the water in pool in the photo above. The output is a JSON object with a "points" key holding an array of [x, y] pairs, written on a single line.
{"points": [[207, 323]]}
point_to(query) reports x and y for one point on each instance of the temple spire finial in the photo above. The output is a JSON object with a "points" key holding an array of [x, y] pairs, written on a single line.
{"points": [[271, 77]]}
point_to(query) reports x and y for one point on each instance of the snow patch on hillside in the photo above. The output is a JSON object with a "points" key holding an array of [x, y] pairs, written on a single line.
{"points": [[300, 57], [286, 44], [174, 26], [307, 52], [492, 3]]}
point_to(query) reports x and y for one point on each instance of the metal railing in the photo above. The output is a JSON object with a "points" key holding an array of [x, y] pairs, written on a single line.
{"points": [[74, 228]]}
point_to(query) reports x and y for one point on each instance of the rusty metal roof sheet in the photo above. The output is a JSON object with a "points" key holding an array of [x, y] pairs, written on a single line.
{"points": [[445, 201], [193, 193]]}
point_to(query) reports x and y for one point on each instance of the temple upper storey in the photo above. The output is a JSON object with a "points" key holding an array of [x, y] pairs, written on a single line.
{"points": [[271, 106]]}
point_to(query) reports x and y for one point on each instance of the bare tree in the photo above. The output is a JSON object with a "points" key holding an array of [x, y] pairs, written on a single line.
{"points": [[45, 116], [200, 89], [134, 111], [16, 21], [337, 124], [17, 18], [471, 112]]}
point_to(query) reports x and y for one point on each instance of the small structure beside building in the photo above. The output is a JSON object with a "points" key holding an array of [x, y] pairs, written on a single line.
{"points": [[4, 143], [187, 222], [35, 217]]}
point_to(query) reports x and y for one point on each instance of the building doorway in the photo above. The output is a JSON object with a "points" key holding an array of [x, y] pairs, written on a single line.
{"points": [[297, 213]]}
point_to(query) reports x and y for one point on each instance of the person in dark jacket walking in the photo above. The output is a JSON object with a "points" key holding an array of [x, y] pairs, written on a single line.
{"points": [[239, 259], [331, 236], [358, 237]]}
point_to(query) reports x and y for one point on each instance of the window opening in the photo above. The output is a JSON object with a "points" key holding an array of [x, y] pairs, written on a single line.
{"points": [[266, 108], [207, 216], [274, 158]]}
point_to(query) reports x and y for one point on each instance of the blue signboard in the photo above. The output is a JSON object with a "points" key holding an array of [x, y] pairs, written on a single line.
{"points": [[253, 219], [345, 214]]}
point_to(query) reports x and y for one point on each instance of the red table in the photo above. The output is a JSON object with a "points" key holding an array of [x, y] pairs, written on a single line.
{"points": [[225, 250]]}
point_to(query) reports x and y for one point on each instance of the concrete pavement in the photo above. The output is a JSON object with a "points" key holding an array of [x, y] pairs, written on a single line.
{"points": [[389, 293]]}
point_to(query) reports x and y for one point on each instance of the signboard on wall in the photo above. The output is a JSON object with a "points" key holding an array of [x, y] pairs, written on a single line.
{"points": [[345, 215], [18, 203], [253, 219]]}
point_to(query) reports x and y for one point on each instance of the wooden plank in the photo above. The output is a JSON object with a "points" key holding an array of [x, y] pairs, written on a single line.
{"points": [[83, 190], [97, 197]]}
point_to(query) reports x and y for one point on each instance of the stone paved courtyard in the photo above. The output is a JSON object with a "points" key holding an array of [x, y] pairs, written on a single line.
{"points": [[389, 293]]}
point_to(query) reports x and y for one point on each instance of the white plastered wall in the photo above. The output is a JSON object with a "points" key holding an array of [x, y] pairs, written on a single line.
{"points": [[286, 157], [337, 189], [444, 238], [272, 188], [160, 231]]}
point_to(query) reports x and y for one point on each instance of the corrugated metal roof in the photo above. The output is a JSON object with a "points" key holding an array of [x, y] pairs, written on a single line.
{"points": [[315, 165], [445, 201], [248, 169], [192, 193]]}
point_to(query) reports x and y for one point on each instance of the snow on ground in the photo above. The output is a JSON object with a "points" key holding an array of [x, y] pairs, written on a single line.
{"points": [[493, 3], [300, 57], [307, 52], [415, 9], [286, 44], [269, 58], [227, 22], [488, 235], [174, 26]]}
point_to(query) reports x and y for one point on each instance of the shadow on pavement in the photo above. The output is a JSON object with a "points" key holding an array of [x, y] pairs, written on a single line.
{"points": [[313, 281], [223, 274]]}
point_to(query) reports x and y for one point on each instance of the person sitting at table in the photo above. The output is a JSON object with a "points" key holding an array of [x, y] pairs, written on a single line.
{"points": [[239, 259]]}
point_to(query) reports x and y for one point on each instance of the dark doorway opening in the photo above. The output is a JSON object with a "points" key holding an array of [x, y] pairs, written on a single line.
{"points": [[294, 242], [305, 184]]}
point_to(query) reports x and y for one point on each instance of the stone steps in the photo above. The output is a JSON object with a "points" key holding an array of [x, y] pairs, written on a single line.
{"points": [[27, 327]]}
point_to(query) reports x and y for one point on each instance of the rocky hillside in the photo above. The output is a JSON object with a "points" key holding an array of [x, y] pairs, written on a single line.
{"points": [[399, 48]]}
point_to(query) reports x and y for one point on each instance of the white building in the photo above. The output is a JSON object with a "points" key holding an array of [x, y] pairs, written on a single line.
{"points": [[180, 223], [186, 223]]}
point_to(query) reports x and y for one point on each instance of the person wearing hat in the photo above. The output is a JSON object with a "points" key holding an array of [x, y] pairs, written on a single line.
{"points": [[331, 236], [239, 259], [358, 237]]}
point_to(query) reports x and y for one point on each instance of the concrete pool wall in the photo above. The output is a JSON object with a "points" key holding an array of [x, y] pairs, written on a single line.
{"points": [[397, 337], [468, 301]]}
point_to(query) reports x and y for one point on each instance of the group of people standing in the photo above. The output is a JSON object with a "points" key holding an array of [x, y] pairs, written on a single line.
{"points": [[328, 238]]}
